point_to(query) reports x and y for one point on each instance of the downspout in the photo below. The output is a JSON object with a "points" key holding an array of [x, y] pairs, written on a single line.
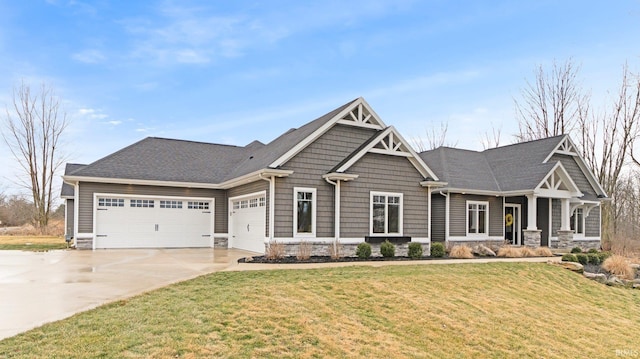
{"points": [[446, 217], [336, 220], [429, 214], [76, 204], [272, 191]]}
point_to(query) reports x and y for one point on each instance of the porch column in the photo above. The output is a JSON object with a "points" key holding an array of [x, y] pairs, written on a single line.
{"points": [[565, 215], [531, 212]]}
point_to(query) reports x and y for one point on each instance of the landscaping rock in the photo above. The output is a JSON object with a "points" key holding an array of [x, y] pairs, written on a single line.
{"points": [[636, 286], [598, 277], [614, 281], [483, 251], [572, 266]]}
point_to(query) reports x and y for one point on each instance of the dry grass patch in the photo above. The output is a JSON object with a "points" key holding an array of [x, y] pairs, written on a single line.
{"points": [[275, 250], [493, 310], [543, 252], [461, 251], [32, 243], [304, 251], [619, 266], [527, 252], [509, 252]]}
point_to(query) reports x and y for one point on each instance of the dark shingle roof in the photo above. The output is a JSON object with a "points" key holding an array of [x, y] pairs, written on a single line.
{"points": [[508, 168], [67, 189], [161, 159]]}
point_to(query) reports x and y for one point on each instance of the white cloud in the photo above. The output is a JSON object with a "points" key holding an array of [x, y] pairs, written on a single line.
{"points": [[92, 114], [114, 123], [89, 56]]}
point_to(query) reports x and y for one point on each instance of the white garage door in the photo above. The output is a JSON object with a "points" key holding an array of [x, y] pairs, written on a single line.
{"points": [[129, 222], [247, 218]]}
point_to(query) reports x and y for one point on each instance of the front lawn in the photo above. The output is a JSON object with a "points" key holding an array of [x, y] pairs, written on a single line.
{"points": [[32, 243], [498, 310]]}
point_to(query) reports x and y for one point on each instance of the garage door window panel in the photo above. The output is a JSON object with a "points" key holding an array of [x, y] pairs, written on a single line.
{"points": [[142, 203], [304, 216], [110, 202]]}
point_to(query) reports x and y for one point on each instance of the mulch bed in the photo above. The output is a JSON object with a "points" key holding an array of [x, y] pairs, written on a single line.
{"points": [[327, 259]]}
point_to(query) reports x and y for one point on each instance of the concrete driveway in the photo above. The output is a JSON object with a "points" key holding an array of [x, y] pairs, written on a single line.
{"points": [[37, 288]]}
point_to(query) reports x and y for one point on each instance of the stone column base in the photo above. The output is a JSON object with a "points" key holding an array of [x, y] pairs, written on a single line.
{"points": [[565, 239], [531, 237]]}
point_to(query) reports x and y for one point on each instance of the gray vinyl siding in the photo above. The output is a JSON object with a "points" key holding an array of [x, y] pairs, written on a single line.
{"points": [[556, 216], [317, 159], [592, 223], [542, 212], [253, 187], [69, 213], [458, 214], [438, 217], [87, 190], [383, 173], [578, 177]]}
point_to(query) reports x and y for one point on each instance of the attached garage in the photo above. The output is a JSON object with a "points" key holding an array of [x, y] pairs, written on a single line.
{"points": [[247, 220], [152, 222]]}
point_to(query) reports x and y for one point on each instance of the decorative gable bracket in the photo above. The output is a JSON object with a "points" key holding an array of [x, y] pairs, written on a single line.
{"points": [[389, 142], [361, 115], [558, 184]]}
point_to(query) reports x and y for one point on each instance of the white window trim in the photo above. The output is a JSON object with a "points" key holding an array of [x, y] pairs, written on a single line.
{"points": [[486, 219], [577, 235], [386, 213], [314, 201]]}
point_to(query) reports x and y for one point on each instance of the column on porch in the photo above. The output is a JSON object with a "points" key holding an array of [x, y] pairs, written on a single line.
{"points": [[565, 234], [531, 235]]}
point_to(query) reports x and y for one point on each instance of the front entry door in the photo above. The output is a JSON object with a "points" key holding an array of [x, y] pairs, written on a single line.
{"points": [[512, 224]]}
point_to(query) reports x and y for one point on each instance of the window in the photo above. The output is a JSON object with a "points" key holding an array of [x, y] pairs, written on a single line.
{"points": [[262, 201], [200, 205], [170, 204], [477, 218], [577, 221], [253, 203], [386, 213], [304, 212], [110, 202], [142, 203]]}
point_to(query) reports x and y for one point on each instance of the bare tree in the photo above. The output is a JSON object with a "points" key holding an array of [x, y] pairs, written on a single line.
{"points": [[435, 137], [32, 131], [551, 105], [608, 140], [491, 140]]}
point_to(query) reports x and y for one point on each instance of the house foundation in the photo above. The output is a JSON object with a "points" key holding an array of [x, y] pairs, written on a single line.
{"points": [[565, 239], [531, 237]]}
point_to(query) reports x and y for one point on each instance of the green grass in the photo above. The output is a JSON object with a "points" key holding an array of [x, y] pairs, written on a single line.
{"points": [[32, 243], [496, 310]]}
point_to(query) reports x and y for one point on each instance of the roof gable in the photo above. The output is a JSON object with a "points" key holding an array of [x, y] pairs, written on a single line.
{"points": [[356, 113], [558, 183], [387, 142]]}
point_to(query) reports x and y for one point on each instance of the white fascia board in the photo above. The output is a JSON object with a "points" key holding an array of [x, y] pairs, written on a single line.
{"points": [[254, 176], [140, 182], [557, 149], [372, 112], [363, 151], [486, 192], [251, 177], [314, 136], [590, 176], [417, 161]]}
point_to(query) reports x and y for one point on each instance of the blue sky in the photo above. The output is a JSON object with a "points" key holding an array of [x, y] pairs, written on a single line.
{"points": [[236, 71]]}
